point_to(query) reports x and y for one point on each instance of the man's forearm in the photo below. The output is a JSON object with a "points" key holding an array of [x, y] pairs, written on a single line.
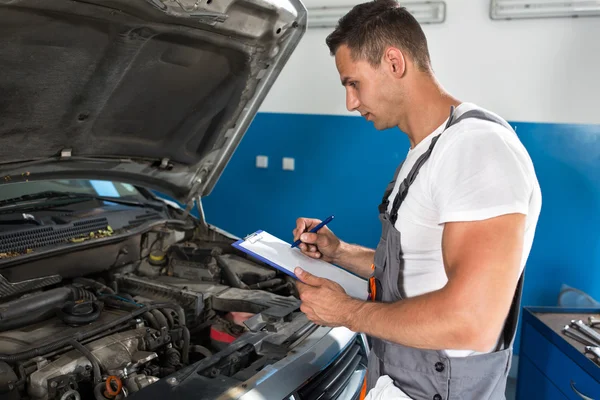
{"points": [[429, 321], [356, 258]]}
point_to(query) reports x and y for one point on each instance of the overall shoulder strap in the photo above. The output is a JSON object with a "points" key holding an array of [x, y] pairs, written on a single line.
{"points": [[410, 178], [483, 115], [510, 325], [412, 175], [388, 190]]}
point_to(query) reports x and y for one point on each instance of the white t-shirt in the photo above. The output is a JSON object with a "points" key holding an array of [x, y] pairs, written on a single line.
{"points": [[477, 170]]}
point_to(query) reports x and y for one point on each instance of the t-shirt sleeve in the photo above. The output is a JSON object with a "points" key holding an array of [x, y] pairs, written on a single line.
{"points": [[479, 176]]}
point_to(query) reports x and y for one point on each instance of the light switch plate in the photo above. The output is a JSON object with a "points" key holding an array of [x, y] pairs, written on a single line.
{"points": [[288, 164], [262, 161]]}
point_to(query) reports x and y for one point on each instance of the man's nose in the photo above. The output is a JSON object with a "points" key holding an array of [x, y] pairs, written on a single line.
{"points": [[352, 101]]}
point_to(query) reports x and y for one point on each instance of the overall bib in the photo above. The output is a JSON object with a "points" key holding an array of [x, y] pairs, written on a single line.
{"points": [[431, 374]]}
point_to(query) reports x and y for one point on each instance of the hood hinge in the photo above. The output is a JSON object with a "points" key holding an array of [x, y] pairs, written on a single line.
{"points": [[195, 190], [194, 195]]}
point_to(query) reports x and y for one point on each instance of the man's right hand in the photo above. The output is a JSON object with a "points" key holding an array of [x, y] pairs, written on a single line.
{"points": [[323, 244]]}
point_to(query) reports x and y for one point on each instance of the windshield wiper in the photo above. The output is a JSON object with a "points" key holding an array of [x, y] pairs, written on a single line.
{"points": [[35, 199], [27, 219]]}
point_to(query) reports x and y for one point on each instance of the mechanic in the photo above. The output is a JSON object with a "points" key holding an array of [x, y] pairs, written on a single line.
{"points": [[458, 222]]}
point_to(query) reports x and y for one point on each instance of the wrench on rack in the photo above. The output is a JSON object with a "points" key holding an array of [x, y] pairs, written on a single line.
{"points": [[593, 321], [586, 330], [574, 334], [594, 350]]}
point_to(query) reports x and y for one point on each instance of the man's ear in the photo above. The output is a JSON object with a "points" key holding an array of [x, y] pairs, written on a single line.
{"points": [[394, 59]]}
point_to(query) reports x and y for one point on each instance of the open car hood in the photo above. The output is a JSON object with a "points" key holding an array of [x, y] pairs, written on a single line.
{"points": [[157, 93]]}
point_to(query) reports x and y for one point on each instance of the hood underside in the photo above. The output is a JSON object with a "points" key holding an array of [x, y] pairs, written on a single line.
{"points": [[156, 93]]}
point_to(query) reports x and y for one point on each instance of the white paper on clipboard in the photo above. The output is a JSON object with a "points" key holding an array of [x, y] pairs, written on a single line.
{"points": [[279, 254]]}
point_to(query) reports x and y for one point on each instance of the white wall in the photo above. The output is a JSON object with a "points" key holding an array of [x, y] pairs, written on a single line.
{"points": [[528, 70]]}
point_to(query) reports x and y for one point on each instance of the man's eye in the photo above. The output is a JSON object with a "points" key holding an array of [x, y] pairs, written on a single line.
{"points": [[354, 84]]}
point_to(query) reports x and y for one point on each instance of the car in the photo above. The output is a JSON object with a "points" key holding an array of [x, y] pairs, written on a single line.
{"points": [[117, 118]]}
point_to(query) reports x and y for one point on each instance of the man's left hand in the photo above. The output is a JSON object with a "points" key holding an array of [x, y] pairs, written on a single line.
{"points": [[323, 301]]}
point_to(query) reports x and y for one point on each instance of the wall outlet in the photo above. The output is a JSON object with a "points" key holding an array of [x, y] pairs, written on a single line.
{"points": [[262, 161], [288, 164]]}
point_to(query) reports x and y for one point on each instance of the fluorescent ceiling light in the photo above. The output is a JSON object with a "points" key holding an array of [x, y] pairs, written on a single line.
{"points": [[426, 12], [517, 9]]}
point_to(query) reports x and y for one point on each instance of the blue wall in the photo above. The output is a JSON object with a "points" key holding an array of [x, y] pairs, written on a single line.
{"points": [[343, 165]]}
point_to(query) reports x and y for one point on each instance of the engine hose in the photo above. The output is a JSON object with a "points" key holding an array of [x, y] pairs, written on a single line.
{"points": [[80, 293], [169, 317], [95, 284], [267, 284], [82, 335], [232, 278], [38, 307], [293, 288], [185, 350], [202, 350], [25, 320], [162, 320], [178, 309], [35, 303], [88, 354], [286, 285], [151, 321]]}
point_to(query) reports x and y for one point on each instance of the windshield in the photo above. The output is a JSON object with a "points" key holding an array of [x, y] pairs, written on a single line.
{"points": [[91, 187]]}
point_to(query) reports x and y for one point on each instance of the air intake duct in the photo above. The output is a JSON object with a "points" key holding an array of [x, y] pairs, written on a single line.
{"points": [[37, 307]]}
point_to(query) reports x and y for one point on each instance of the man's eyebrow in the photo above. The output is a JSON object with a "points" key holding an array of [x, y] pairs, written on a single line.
{"points": [[345, 81]]}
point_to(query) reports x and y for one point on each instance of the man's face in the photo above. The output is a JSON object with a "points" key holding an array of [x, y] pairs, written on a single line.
{"points": [[370, 91]]}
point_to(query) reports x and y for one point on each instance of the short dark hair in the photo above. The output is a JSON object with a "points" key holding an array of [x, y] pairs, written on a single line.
{"points": [[370, 27]]}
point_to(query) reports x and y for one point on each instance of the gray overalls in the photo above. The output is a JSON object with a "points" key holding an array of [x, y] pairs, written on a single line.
{"points": [[431, 374]]}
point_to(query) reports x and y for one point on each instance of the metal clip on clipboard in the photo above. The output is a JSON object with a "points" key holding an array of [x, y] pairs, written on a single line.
{"points": [[253, 237]]}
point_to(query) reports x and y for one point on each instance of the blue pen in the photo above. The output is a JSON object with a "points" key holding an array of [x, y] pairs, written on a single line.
{"points": [[314, 230]]}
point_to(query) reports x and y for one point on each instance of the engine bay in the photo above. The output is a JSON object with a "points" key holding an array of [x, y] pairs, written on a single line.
{"points": [[107, 334]]}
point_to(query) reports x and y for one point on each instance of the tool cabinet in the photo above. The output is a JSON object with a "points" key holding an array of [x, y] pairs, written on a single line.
{"points": [[552, 365]]}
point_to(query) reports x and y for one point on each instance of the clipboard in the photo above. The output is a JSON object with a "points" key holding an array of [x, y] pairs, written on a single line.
{"points": [[280, 255]]}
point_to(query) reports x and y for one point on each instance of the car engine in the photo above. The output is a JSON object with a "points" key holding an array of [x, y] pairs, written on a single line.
{"points": [[107, 334]]}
